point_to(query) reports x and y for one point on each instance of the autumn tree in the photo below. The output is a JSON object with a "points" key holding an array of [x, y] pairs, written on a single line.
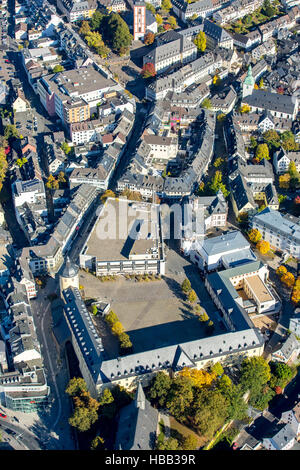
{"points": [[192, 296], [262, 151], [151, 8], [200, 41], [281, 270], [84, 28], [217, 184], [186, 286], [254, 235], [58, 68], [125, 342], [166, 5], [288, 279], [3, 166], [117, 328], [199, 378], [149, 38], [169, 444], [296, 292], [148, 70], [255, 373], [97, 443], [111, 318], [108, 193], [245, 108], [203, 317], [206, 103], [284, 181], [159, 20], [76, 386], [263, 247], [172, 21]]}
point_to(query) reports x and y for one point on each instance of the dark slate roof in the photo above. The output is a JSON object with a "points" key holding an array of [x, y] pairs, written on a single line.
{"points": [[137, 424], [271, 101]]}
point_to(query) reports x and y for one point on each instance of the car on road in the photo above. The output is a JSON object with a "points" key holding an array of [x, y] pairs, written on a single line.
{"points": [[2, 415]]}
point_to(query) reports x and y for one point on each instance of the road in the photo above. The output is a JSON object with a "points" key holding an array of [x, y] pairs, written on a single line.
{"points": [[19, 435]]}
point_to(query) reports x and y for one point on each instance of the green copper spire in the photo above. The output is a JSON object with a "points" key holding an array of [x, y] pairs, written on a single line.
{"points": [[249, 80]]}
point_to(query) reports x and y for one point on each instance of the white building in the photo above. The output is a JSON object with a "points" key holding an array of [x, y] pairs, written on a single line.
{"points": [[282, 160]]}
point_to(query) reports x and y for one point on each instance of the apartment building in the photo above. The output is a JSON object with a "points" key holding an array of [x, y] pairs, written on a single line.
{"points": [[76, 10], [72, 95], [282, 160], [236, 9], [281, 231]]}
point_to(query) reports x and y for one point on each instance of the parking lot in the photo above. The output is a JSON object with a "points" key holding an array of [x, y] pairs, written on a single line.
{"points": [[154, 313]]}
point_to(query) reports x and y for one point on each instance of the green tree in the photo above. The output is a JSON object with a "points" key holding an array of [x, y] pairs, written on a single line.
{"points": [[210, 410], [170, 444], [94, 309], [262, 151], [200, 41], [261, 83], [172, 21], [151, 8], [58, 68], [160, 388], [11, 132], [272, 139], [96, 21], [255, 374], [281, 371], [111, 318], [288, 141], [217, 369], [217, 184], [190, 442], [159, 20], [83, 418], [66, 148], [117, 33], [180, 397], [206, 103], [106, 397], [76, 386]]}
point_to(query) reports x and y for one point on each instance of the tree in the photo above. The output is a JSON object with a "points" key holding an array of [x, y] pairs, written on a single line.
{"points": [[190, 442], [159, 20], [151, 8], [106, 397], [76, 386], [210, 410], [85, 28], [192, 296], [3, 166], [203, 317], [216, 80], [272, 139], [206, 103], [61, 177], [170, 444], [11, 132], [282, 371], [108, 193], [111, 318], [288, 141], [83, 418], [199, 378], [218, 162], [21, 161], [97, 443], [217, 369], [94, 310], [58, 68], [255, 373], [263, 247], [200, 41], [148, 70], [125, 342], [254, 235], [261, 83], [117, 328], [288, 279], [52, 183], [180, 397], [217, 184], [117, 33], [173, 22], [149, 38], [284, 181], [262, 151], [186, 286], [160, 388], [281, 270], [66, 148], [245, 108], [96, 21], [268, 9], [166, 5]]}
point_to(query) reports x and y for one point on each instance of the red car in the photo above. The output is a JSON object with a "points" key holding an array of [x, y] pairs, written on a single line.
{"points": [[2, 415]]}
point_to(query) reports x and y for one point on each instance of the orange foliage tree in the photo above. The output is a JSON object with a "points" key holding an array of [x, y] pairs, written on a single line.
{"points": [[288, 279], [254, 235], [281, 270], [263, 247]]}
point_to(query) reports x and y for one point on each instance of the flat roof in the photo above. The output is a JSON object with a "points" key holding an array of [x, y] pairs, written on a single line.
{"points": [[261, 291], [124, 229]]}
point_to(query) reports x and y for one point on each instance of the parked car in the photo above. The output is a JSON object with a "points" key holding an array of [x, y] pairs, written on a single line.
{"points": [[2, 415]]}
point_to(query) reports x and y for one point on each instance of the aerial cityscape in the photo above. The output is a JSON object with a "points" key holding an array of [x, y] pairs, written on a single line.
{"points": [[150, 226]]}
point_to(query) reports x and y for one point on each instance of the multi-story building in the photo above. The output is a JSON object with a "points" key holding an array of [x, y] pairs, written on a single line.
{"points": [[139, 20], [76, 10], [134, 243], [282, 160], [74, 94], [236, 9], [281, 231]]}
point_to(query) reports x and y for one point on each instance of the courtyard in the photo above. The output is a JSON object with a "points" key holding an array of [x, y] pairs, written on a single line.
{"points": [[153, 313]]}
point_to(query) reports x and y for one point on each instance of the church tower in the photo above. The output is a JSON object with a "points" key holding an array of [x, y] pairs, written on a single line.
{"points": [[248, 84], [69, 276]]}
